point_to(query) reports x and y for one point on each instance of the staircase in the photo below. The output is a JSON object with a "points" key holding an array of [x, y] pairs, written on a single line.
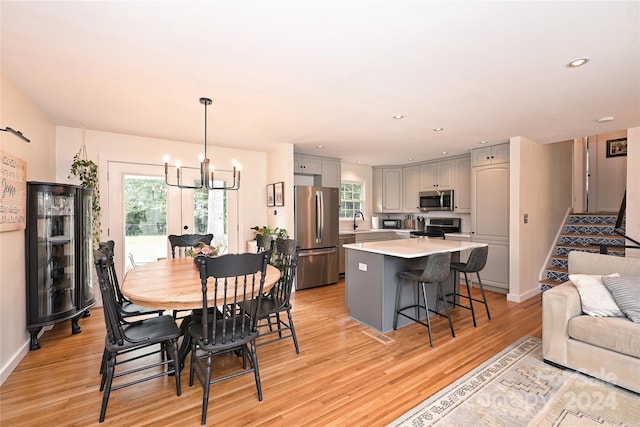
{"points": [[581, 232]]}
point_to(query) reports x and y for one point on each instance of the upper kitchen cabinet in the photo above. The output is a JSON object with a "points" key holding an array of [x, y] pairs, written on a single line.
{"points": [[325, 171], [331, 173], [307, 165], [462, 185], [491, 155], [411, 184], [437, 175], [387, 190]]}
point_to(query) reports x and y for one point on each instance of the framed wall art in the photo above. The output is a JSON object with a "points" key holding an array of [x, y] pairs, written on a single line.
{"points": [[279, 193], [617, 147], [270, 195], [13, 194]]}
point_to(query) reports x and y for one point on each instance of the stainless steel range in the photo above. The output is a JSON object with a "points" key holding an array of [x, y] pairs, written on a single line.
{"points": [[437, 227]]}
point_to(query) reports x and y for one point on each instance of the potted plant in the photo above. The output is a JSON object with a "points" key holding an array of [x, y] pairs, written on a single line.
{"points": [[87, 171]]}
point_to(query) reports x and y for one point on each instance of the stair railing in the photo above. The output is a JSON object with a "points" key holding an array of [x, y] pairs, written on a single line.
{"points": [[604, 249]]}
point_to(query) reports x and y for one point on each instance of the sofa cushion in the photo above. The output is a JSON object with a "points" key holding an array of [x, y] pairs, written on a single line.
{"points": [[626, 293], [595, 297], [613, 333]]}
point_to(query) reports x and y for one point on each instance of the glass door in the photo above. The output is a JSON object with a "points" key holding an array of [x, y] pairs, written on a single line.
{"points": [[143, 211]]}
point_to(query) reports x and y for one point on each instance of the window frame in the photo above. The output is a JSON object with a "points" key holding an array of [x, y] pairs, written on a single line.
{"points": [[361, 200]]}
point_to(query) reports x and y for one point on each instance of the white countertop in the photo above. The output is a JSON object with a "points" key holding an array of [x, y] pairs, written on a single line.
{"points": [[372, 230], [413, 248]]}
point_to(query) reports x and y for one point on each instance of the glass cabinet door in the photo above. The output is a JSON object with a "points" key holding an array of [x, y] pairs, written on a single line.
{"points": [[56, 252]]}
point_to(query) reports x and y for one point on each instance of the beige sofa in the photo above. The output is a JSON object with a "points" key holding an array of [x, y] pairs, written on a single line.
{"points": [[603, 347]]}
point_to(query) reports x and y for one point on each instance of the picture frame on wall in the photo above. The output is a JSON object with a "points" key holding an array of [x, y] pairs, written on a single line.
{"points": [[270, 195], [617, 147], [279, 193]]}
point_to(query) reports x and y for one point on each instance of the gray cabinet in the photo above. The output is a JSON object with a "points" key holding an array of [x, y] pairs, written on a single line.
{"points": [[490, 155], [344, 240], [411, 189], [462, 185], [437, 175], [326, 172], [387, 190], [490, 221], [307, 165]]}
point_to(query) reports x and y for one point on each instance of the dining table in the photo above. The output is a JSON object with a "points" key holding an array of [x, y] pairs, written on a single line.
{"points": [[174, 284]]}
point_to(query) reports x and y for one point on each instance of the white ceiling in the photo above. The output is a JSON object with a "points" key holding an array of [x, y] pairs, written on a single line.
{"points": [[330, 73]]}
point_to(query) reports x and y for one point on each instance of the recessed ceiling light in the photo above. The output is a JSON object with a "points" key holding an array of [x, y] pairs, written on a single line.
{"points": [[605, 119], [483, 142], [319, 146], [438, 129], [578, 62], [410, 159], [445, 152], [398, 116]]}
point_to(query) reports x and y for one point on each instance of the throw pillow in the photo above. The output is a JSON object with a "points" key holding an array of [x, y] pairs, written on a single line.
{"points": [[626, 292], [595, 297]]}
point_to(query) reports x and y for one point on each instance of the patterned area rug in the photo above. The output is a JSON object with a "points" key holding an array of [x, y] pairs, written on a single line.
{"points": [[516, 388]]}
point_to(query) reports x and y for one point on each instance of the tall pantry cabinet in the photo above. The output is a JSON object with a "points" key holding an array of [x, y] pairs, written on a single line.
{"points": [[490, 211], [59, 256]]}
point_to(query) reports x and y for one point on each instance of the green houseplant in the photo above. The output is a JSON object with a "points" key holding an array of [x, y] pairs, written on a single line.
{"points": [[87, 171]]}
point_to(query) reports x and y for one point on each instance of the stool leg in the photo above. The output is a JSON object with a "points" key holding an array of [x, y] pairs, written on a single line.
{"points": [[426, 304], [473, 314], [440, 293], [398, 297], [484, 298]]}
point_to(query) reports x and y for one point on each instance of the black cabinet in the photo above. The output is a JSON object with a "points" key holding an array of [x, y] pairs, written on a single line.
{"points": [[59, 256]]}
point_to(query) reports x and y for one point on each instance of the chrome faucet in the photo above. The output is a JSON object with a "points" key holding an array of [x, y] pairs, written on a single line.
{"points": [[355, 215]]}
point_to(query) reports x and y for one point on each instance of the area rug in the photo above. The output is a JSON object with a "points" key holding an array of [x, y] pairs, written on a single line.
{"points": [[516, 388]]}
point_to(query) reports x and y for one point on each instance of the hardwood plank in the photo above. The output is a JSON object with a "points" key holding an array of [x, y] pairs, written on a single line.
{"points": [[342, 376]]}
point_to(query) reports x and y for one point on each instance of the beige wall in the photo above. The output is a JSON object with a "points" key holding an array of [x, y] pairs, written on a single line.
{"points": [[541, 188], [19, 113], [608, 175], [280, 169]]}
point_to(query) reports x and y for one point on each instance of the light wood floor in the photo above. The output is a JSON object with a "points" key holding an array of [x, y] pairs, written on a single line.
{"points": [[344, 375]]}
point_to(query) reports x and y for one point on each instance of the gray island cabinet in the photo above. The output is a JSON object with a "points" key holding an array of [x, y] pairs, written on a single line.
{"points": [[371, 277]]}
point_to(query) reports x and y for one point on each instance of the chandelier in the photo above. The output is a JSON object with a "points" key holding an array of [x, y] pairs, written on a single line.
{"points": [[206, 168]]}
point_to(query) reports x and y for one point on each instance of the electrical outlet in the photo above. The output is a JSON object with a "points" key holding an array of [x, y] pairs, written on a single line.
{"points": [[526, 218], [362, 266]]}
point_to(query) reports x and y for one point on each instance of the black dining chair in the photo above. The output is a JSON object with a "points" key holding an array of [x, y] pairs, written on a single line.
{"points": [[277, 301], [127, 308], [181, 243], [435, 271], [179, 246], [128, 343], [232, 281]]}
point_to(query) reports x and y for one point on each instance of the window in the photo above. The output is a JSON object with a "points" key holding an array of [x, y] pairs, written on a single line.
{"points": [[351, 199]]}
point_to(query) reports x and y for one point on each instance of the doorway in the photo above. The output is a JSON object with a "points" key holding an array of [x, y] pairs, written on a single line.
{"points": [[606, 174], [143, 211]]}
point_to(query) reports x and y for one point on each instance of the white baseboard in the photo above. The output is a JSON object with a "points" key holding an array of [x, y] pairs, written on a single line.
{"points": [[14, 362], [523, 297]]}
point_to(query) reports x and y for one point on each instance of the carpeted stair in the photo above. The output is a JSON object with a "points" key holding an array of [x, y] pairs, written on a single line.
{"points": [[582, 232]]}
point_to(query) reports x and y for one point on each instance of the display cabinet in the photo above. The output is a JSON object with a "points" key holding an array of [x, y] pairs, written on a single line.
{"points": [[58, 255]]}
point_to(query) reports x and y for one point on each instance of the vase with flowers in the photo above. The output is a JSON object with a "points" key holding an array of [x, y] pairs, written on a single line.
{"points": [[202, 249]]}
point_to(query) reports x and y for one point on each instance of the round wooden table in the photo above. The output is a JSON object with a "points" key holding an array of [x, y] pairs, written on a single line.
{"points": [[173, 284]]}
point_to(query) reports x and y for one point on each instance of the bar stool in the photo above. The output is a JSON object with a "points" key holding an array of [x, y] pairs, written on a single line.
{"points": [[476, 262], [435, 272]]}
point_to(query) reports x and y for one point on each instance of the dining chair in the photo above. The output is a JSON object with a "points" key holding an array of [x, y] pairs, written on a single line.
{"points": [[181, 243], [475, 263], [127, 308], [232, 281], [436, 270], [133, 339], [264, 242], [179, 246], [278, 300]]}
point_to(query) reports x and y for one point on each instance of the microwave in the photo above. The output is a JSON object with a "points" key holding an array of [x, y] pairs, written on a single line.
{"points": [[439, 200], [395, 224]]}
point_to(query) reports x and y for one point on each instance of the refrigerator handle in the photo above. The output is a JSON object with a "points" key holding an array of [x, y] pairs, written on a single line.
{"points": [[319, 216]]}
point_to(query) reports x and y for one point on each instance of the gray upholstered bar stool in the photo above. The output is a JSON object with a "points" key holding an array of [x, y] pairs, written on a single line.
{"points": [[476, 262], [435, 272]]}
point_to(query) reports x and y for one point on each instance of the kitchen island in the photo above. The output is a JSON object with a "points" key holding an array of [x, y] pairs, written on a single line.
{"points": [[371, 276]]}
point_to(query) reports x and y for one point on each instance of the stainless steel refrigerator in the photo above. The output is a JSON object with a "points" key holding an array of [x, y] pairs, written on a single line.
{"points": [[316, 232]]}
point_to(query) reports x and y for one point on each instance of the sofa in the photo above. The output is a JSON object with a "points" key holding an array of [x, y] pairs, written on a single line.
{"points": [[608, 347]]}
